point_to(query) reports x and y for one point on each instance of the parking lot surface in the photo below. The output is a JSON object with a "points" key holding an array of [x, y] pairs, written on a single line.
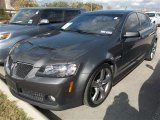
{"points": [[136, 97]]}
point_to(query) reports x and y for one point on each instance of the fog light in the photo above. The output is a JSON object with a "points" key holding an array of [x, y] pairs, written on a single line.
{"points": [[52, 98]]}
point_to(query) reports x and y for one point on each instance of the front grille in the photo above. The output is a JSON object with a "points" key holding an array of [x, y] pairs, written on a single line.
{"points": [[32, 95], [22, 69]]}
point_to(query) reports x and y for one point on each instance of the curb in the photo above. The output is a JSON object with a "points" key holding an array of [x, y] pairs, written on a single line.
{"points": [[27, 108]]}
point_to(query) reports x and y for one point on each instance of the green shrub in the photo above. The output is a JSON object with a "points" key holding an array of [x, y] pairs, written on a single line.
{"points": [[9, 110]]}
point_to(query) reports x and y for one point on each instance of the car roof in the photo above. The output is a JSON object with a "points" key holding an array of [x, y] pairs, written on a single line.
{"points": [[111, 12], [54, 8]]}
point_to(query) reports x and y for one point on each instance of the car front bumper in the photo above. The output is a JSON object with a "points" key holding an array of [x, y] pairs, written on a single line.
{"points": [[5, 47], [39, 90], [3, 54]]}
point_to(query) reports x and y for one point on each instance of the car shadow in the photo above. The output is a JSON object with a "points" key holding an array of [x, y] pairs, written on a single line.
{"points": [[148, 101], [50, 115], [2, 77], [149, 95]]}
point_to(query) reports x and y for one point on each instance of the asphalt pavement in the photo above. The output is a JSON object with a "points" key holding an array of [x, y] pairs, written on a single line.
{"points": [[136, 97]]}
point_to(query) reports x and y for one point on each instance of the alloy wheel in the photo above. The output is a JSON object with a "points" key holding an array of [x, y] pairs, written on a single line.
{"points": [[100, 86], [153, 51]]}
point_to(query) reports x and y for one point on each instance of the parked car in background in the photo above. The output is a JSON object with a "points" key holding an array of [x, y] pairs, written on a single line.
{"points": [[29, 22], [80, 64], [155, 17]]}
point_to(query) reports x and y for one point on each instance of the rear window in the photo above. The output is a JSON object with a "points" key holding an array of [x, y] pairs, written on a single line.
{"points": [[54, 16], [70, 14]]}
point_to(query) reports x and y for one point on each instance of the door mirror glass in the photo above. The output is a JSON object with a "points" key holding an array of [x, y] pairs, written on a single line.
{"points": [[131, 34], [44, 21]]}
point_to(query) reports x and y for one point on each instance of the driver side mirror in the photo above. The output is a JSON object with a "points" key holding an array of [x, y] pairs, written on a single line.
{"points": [[131, 34], [44, 22]]}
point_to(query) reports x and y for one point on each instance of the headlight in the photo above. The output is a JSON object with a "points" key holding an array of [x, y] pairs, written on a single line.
{"points": [[4, 36], [63, 70]]}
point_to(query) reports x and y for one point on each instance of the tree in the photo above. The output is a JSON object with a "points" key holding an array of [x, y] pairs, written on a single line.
{"points": [[17, 4], [87, 6], [57, 4]]}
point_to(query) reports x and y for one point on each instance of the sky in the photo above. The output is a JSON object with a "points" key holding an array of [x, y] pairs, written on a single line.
{"points": [[119, 4]]}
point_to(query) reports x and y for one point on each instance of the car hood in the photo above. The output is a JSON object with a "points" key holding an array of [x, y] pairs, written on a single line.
{"points": [[56, 47], [13, 28]]}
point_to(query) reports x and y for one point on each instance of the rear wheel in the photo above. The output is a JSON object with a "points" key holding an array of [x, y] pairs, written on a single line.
{"points": [[152, 51], [99, 86]]}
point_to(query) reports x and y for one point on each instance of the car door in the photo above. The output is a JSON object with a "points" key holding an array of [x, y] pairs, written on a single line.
{"points": [[131, 45]]}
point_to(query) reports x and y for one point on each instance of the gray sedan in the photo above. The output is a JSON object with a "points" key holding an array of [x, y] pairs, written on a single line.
{"points": [[80, 64]]}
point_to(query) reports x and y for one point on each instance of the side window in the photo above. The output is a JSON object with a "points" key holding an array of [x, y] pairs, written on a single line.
{"points": [[145, 21], [69, 14], [54, 16], [132, 23]]}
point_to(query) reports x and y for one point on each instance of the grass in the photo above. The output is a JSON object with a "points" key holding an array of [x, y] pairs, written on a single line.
{"points": [[9, 110]]}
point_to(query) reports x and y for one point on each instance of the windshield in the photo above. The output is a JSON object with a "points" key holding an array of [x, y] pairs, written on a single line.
{"points": [[25, 17], [94, 24], [151, 14]]}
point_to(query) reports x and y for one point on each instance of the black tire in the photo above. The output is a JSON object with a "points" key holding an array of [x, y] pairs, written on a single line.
{"points": [[97, 83], [152, 51]]}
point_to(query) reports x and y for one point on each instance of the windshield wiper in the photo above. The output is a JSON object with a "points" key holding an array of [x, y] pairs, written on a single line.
{"points": [[81, 31], [19, 24], [78, 30], [14, 23], [66, 30]]}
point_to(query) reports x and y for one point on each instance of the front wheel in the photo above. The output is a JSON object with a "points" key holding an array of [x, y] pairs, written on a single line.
{"points": [[152, 51], [99, 86]]}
